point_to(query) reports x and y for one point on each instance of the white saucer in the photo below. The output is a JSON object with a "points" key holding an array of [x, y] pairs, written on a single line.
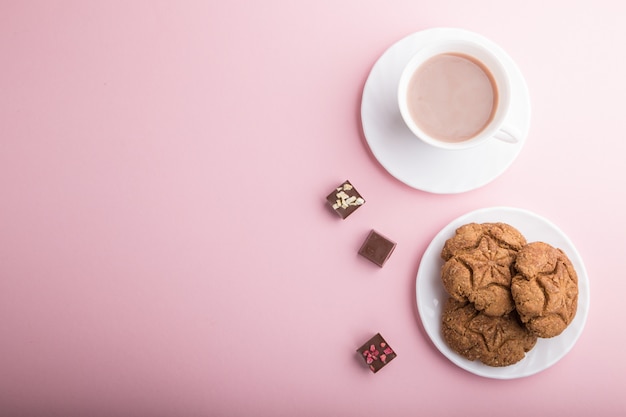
{"points": [[422, 166], [431, 296]]}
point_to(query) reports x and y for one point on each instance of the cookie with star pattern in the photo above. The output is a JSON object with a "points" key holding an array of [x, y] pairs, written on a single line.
{"points": [[478, 266], [545, 289], [495, 341]]}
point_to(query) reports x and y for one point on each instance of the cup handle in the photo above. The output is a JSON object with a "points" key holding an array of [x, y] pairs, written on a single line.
{"points": [[507, 134]]}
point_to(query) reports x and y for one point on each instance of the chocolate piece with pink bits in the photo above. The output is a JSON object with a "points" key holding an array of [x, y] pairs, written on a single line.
{"points": [[376, 353]]}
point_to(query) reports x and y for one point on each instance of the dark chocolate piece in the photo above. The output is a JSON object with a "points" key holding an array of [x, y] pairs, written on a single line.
{"points": [[345, 199], [377, 248], [376, 353]]}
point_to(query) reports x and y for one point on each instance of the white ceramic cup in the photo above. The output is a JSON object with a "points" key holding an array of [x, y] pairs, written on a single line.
{"points": [[496, 128]]}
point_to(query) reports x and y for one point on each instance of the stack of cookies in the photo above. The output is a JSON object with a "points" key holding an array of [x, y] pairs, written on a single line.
{"points": [[504, 293]]}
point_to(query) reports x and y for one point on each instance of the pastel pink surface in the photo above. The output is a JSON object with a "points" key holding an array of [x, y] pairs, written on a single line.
{"points": [[165, 248]]}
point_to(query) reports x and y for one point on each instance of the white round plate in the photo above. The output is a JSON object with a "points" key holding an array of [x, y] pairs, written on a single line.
{"points": [[431, 295], [415, 163]]}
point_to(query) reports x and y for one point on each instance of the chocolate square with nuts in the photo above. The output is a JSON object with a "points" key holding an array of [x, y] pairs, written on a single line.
{"points": [[377, 248], [376, 353], [345, 199]]}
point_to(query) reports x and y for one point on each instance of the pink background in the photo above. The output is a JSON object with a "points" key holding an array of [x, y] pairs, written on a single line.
{"points": [[165, 248]]}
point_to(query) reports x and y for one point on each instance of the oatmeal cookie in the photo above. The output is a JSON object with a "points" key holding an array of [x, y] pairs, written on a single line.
{"points": [[545, 289], [478, 265], [495, 341]]}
